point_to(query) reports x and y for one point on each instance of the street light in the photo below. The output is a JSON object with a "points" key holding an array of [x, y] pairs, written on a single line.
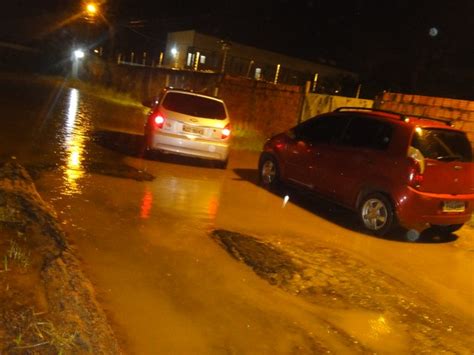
{"points": [[79, 54], [175, 54], [92, 9]]}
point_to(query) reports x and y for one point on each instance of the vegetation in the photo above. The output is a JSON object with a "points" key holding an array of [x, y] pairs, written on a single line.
{"points": [[96, 90], [17, 254], [247, 139]]}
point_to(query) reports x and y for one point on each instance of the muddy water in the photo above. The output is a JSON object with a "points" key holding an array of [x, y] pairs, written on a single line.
{"points": [[169, 288], [57, 126]]}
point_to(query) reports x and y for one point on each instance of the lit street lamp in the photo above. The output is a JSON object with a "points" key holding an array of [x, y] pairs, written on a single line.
{"points": [[77, 55], [91, 9]]}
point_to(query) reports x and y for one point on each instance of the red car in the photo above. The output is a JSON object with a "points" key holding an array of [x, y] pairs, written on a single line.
{"points": [[389, 167]]}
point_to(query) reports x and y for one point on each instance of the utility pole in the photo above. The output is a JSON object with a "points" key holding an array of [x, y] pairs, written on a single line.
{"points": [[225, 46]]}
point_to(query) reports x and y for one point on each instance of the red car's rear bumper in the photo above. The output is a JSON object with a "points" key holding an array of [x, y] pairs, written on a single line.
{"points": [[420, 210]]}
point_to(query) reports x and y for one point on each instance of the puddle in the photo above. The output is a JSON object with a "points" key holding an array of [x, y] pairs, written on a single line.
{"points": [[375, 331], [375, 310]]}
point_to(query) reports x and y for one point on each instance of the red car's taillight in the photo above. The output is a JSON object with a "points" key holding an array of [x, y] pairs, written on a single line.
{"points": [[415, 175], [226, 131]]}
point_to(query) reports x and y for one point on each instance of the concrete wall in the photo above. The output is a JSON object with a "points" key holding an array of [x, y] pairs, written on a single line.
{"points": [[266, 107], [141, 82], [461, 112], [258, 105], [316, 104]]}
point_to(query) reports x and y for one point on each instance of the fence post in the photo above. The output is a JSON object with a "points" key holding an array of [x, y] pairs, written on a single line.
{"points": [[304, 92]]}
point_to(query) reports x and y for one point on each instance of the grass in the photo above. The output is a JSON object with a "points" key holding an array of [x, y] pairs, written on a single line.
{"points": [[102, 92], [16, 254], [35, 333], [105, 93], [247, 139]]}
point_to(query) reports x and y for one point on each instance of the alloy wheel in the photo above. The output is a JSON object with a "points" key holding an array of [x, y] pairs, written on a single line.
{"points": [[268, 172], [374, 214]]}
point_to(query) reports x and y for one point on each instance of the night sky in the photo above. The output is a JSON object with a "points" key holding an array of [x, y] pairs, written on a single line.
{"points": [[389, 42]]}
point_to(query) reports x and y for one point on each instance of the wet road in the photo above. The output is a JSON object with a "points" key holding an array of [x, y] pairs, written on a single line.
{"points": [[168, 287]]}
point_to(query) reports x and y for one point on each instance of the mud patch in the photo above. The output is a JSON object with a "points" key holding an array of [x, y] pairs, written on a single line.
{"points": [[270, 263], [118, 169], [386, 308]]}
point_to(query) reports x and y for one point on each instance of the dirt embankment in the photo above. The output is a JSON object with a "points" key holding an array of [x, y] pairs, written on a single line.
{"points": [[47, 305]]}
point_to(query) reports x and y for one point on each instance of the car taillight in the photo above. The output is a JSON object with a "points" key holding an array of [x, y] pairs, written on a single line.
{"points": [[226, 132], [415, 175], [416, 167], [158, 120]]}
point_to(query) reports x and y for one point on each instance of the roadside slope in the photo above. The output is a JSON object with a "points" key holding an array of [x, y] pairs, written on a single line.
{"points": [[47, 305]]}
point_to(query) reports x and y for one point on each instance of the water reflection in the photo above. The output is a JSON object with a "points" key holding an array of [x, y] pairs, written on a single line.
{"points": [[379, 327], [213, 206], [74, 137], [146, 205]]}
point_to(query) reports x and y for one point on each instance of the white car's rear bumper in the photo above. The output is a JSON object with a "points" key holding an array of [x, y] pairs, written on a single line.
{"points": [[190, 146]]}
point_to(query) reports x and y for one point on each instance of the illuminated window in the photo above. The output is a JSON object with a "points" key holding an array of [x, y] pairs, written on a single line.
{"points": [[203, 59], [258, 73], [189, 61]]}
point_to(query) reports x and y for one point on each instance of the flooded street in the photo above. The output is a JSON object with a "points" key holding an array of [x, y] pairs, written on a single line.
{"points": [[187, 258]]}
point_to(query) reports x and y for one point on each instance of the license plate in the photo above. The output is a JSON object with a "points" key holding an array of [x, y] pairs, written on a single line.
{"points": [[194, 130], [454, 206]]}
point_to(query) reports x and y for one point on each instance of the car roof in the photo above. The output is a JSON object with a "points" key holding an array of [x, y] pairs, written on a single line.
{"points": [[191, 92], [401, 118]]}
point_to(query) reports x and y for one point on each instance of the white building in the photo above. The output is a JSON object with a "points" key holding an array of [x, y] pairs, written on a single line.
{"points": [[197, 51]]}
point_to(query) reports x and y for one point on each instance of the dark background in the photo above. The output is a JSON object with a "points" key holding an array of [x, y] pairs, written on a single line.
{"points": [[386, 42]]}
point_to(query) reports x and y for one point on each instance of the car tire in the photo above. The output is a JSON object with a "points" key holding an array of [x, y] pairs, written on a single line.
{"points": [[268, 172], [222, 164], [146, 146], [447, 229], [376, 213]]}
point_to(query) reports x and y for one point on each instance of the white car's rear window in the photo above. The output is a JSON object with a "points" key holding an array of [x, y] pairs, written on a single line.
{"points": [[193, 105]]}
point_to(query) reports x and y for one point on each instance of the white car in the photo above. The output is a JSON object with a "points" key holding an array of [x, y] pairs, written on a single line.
{"points": [[191, 124]]}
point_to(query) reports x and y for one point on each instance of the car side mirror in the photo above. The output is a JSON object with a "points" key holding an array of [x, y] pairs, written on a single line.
{"points": [[297, 136], [150, 102]]}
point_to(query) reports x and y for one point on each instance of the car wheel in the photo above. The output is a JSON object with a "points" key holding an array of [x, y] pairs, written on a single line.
{"points": [[376, 213], [447, 229], [146, 145], [222, 164], [269, 173]]}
